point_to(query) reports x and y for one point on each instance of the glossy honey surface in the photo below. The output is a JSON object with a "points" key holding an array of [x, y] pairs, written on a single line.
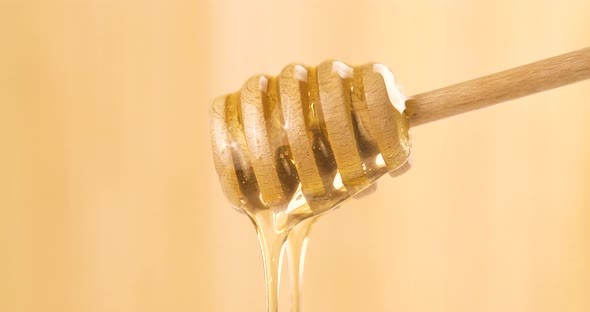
{"points": [[306, 140]]}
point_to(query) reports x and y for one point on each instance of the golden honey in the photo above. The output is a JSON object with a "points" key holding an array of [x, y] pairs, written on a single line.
{"points": [[291, 147]]}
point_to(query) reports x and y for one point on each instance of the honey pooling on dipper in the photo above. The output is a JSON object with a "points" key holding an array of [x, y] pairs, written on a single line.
{"points": [[304, 141], [291, 147]]}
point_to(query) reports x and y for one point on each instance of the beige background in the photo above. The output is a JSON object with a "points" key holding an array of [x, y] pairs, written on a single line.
{"points": [[109, 201]]}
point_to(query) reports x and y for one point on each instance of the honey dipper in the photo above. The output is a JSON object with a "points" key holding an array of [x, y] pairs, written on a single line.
{"points": [[305, 141]]}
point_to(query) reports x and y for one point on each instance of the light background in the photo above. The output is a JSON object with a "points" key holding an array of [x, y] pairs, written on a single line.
{"points": [[109, 200]]}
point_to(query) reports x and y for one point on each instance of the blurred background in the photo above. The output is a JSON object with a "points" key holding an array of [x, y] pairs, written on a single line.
{"points": [[109, 200]]}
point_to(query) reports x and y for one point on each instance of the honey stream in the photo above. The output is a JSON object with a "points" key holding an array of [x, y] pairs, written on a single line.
{"points": [[297, 244], [272, 237], [274, 243]]}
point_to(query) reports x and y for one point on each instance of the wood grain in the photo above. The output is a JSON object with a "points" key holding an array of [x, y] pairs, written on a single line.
{"points": [[499, 87]]}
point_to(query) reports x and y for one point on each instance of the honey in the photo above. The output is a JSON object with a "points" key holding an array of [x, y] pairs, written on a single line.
{"points": [[292, 147]]}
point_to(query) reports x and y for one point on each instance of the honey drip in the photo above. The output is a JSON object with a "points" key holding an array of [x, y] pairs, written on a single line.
{"points": [[292, 147], [271, 237], [296, 252]]}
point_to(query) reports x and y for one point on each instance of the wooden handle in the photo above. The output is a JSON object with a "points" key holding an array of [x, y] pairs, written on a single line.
{"points": [[499, 87]]}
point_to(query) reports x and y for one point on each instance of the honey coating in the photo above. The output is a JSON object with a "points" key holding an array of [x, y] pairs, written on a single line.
{"points": [[308, 139]]}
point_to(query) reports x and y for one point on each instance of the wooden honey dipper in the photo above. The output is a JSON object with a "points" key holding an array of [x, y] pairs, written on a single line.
{"points": [[305, 141]]}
